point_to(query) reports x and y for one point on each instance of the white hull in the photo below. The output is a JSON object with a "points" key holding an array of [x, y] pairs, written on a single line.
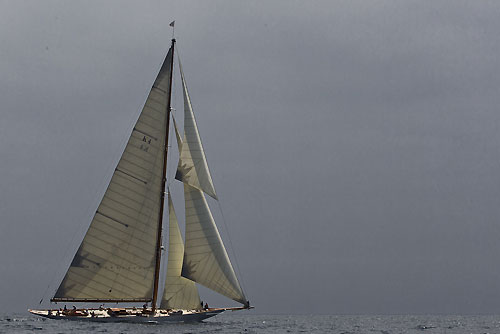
{"points": [[132, 315]]}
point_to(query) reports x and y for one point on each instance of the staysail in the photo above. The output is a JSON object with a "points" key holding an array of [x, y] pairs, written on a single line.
{"points": [[179, 293], [116, 259], [193, 167], [205, 258]]}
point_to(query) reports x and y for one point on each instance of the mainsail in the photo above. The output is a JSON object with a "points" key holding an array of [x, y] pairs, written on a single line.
{"points": [[116, 259], [193, 167], [179, 293]]}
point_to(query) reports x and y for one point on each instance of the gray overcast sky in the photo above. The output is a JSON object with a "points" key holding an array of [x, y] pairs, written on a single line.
{"points": [[354, 144]]}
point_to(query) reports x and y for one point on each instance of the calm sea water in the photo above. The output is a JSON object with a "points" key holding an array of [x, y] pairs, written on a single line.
{"points": [[245, 323]]}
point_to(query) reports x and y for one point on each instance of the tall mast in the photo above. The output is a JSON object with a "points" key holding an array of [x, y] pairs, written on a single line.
{"points": [[163, 182]]}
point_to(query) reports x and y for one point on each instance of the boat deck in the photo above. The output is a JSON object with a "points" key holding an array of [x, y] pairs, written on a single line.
{"points": [[132, 314]]}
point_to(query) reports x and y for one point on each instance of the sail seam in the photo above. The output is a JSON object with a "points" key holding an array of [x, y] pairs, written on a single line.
{"points": [[146, 134], [135, 165], [118, 257], [119, 222], [156, 105], [105, 285], [137, 146], [139, 210], [163, 91], [130, 231], [155, 119], [156, 98], [133, 218], [142, 227], [132, 176], [125, 183], [143, 203], [139, 157]]}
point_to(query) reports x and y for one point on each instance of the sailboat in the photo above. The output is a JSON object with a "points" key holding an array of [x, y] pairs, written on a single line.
{"points": [[120, 256]]}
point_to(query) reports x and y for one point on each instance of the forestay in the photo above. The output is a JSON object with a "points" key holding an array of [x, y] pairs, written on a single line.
{"points": [[116, 259]]}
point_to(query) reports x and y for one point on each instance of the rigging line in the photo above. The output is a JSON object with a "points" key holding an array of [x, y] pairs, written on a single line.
{"points": [[243, 287], [92, 207]]}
